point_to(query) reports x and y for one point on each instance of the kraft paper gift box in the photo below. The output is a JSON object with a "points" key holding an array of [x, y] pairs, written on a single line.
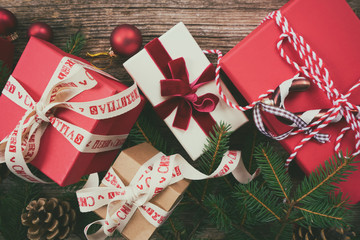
{"points": [[254, 65], [57, 158], [178, 43], [126, 165]]}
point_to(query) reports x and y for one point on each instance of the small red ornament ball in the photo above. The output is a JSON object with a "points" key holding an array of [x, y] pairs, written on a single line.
{"points": [[8, 22], [126, 40], [40, 30]]}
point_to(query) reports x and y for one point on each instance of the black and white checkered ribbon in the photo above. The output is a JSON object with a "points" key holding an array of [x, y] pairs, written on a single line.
{"points": [[280, 112]]}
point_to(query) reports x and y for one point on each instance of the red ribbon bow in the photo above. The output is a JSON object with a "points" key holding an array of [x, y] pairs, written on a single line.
{"points": [[181, 94]]}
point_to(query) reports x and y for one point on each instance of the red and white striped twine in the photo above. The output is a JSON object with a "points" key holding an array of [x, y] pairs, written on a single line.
{"points": [[315, 70]]}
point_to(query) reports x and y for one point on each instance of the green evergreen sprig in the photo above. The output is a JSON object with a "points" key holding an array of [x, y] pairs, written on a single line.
{"points": [[319, 183], [220, 211], [273, 172], [200, 200], [145, 130], [309, 205], [75, 43]]}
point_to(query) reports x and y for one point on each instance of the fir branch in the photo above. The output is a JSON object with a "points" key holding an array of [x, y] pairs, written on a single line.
{"points": [[298, 219], [262, 204], [229, 184], [252, 150], [271, 165], [142, 132], [221, 130], [192, 233], [324, 213], [159, 235], [320, 182], [338, 200], [217, 145], [235, 235], [174, 228], [284, 233], [192, 197], [259, 201], [318, 213], [219, 210], [145, 130], [285, 220], [75, 43]]}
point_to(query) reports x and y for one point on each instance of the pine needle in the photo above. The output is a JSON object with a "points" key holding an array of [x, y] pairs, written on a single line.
{"points": [[75, 43], [145, 130], [214, 150], [259, 201], [219, 211], [319, 183], [272, 166]]}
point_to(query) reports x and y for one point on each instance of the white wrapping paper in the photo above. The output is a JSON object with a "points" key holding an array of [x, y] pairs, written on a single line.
{"points": [[178, 42]]}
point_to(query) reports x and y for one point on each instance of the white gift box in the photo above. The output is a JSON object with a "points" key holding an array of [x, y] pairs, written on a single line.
{"points": [[178, 42]]}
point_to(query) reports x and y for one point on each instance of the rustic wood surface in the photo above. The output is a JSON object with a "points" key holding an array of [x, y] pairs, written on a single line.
{"points": [[214, 23]]}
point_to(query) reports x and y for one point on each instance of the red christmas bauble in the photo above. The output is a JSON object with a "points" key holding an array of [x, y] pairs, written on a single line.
{"points": [[8, 22], [40, 30], [126, 39]]}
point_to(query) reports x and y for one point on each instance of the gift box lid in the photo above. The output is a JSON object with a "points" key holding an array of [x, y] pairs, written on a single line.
{"points": [[331, 29], [254, 66], [178, 42], [57, 158]]}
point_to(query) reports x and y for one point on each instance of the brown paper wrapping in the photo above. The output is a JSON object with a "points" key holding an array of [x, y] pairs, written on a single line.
{"points": [[126, 166]]}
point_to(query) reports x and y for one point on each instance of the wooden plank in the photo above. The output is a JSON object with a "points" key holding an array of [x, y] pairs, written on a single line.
{"points": [[214, 23]]}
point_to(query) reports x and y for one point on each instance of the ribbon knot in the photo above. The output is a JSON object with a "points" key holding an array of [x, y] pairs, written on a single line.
{"points": [[40, 113], [314, 68], [133, 195], [341, 101], [182, 95]]}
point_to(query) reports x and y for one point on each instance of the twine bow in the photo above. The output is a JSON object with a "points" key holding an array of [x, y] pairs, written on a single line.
{"points": [[315, 70]]}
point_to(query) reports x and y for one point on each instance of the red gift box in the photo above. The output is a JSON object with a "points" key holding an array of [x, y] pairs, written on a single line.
{"points": [[6, 51], [254, 66], [57, 158]]}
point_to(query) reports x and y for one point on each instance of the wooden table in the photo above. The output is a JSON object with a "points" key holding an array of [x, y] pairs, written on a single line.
{"points": [[214, 23]]}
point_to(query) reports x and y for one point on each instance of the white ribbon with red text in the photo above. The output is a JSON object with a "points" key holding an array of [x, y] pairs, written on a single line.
{"points": [[152, 177], [69, 79]]}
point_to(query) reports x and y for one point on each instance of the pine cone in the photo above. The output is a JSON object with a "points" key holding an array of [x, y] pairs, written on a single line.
{"points": [[4, 172], [301, 233], [48, 219]]}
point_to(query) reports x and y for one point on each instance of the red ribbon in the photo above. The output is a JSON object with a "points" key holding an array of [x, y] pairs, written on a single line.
{"points": [[181, 94]]}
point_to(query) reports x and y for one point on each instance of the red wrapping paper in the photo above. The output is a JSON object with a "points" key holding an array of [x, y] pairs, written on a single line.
{"points": [[57, 158], [332, 29]]}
